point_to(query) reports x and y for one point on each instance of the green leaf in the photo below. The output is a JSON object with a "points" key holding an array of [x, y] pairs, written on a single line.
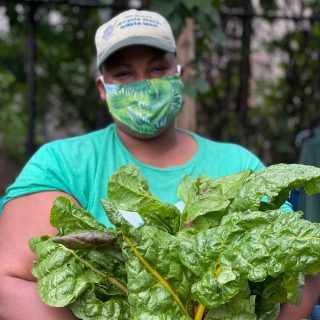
{"points": [[241, 307], [129, 190], [195, 86], [86, 239], [211, 196], [272, 314], [201, 223], [91, 306], [159, 287], [275, 183], [231, 264], [204, 5], [69, 217], [61, 279], [263, 250], [167, 10], [163, 216], [252, 246], [273, 291], [213, 291], [115, 217], [214, 15], [186, 187]]}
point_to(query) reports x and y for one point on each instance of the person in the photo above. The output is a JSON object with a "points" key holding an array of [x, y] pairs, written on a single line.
{"points": [[136, 55], [310, 155]]}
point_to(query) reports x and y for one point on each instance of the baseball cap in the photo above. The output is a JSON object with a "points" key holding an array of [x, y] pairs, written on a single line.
{"points": [[133, 27]]}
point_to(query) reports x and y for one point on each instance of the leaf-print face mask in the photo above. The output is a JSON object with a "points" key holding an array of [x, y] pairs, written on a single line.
{"points": [[145, 106]]}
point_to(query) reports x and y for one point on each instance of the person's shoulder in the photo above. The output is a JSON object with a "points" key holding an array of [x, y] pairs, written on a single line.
{"points": [[84, 146], [91, 139]]}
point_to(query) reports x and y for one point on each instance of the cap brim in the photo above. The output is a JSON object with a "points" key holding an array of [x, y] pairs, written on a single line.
{"points": [[138, 40]]}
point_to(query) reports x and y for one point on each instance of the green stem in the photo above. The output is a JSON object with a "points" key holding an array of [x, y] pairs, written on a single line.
{"points": [[100, 273]]}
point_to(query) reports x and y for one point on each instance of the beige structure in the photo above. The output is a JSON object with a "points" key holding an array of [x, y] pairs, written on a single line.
{"points": [[186, 53]]}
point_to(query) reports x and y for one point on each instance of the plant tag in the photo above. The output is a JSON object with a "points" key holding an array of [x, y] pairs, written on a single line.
{"points": [[135, 219], [180, 205], [132, 217]]}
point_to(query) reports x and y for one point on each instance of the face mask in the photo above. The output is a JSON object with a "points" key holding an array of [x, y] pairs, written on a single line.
{"points": [[145, 106]]}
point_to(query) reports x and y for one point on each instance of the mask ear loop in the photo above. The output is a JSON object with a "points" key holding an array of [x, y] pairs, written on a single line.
{"points": [[101, 79], [178, 69]]}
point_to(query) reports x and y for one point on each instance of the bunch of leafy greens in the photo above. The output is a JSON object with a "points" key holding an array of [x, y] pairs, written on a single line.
{"points": [[231, 254]]}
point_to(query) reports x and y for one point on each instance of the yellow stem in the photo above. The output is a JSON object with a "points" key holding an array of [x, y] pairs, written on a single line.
{"points": [[218, 271], [200, 312], [157, 276]]}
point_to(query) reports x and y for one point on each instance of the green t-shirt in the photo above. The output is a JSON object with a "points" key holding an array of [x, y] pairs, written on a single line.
{"points": [[81, 166]]}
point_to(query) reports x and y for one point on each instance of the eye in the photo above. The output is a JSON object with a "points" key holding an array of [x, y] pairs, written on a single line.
{"points": [[159, 69], [122, 74]]}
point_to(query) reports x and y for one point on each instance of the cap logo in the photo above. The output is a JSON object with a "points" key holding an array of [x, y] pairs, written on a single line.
{"points": [[137, 21], [107, 32]]}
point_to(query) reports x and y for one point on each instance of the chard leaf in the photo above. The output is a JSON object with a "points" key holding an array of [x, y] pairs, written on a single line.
{"points": [[201, 223], [211, 197], [163, 216], [273, 291], [250, 246], [128, 190], [272, 314], [287, 243], [159, 287], [238, 261], [69, 217], [92, 306], [186, 188], [214, 289], [275, 183], [61, 279], [86, 239], [102, 255], [109, 263], [237, 309], [241, 306], [115, 217], [229, 185], [64, 275]]}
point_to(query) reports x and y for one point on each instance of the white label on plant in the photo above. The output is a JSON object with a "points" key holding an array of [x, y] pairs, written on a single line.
{"points": [[133, 218]]}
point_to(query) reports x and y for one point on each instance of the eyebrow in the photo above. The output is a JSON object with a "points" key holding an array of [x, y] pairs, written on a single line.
{"points": [[159, 56], [155, 58]]}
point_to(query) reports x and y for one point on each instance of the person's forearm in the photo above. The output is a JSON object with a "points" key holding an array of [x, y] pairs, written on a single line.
{"points": [[310, 295], [19, 300]]}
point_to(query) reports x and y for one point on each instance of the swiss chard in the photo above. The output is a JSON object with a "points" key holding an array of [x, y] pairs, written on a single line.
{"points": [[231, 254]]}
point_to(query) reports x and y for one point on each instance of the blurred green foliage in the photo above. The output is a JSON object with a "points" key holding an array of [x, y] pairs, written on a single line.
{"points": [[267, 112], [67, 100]]}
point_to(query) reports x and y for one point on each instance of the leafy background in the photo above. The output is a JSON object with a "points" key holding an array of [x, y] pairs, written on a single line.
{"points": [[264, 112]]}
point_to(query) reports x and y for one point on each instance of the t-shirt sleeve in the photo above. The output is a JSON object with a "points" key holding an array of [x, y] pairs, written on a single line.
{"points": [[245, 159], [45, 171]]}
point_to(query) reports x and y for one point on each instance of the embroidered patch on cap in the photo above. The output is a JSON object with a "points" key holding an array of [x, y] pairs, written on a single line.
{"points": [[107, 32]]}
